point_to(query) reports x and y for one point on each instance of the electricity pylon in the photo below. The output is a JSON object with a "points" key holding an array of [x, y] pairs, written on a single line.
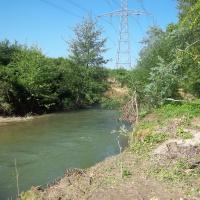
{"points": [[123, 58]]}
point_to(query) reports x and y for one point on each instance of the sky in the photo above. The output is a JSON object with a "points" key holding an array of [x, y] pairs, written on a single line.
{"points": [[48, 24]]}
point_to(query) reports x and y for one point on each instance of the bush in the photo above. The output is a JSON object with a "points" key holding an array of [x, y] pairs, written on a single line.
{"points": [[33, 83]]}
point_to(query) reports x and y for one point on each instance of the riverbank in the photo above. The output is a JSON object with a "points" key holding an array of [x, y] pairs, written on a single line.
{"points": [[7, 120], [72, 139], [162, 162], [104, 181]]}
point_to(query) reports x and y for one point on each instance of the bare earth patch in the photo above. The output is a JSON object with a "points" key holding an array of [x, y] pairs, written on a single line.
{"points": [[174, 149], [116, 90], [196, 122], [117, 178]]}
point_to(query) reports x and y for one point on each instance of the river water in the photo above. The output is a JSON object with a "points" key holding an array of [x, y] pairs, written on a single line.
{"points": [[46, 146]]}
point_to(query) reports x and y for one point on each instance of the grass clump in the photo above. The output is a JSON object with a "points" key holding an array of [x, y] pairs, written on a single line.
{"points": [[126, 173], [189, 109], [154, 139], [30, 195], [174, 173], [184, 134], [145, 137], [146, 125], [144, 145], [180, 173]]}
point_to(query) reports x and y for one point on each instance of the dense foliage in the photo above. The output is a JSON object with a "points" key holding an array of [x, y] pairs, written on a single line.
{"points": [[31, 83], [88, 45], [170, 60]]}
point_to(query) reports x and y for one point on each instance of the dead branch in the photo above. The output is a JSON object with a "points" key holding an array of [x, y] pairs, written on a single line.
{"points": [[130, 111]]}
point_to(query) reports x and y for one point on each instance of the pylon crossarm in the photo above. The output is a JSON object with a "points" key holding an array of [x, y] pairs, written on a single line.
{"points": [[122, 12], [114, 13], [134, 12]]}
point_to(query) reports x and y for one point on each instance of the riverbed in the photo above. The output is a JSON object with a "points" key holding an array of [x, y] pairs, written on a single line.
{"points": [[45, 147]]}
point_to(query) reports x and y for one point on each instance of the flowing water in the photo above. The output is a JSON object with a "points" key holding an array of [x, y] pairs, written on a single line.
{"points": [[46, 146]]}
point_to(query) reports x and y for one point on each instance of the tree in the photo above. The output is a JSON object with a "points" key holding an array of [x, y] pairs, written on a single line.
{"points": [[7, 50], [163, 83], [33, 83], [184, 7], [30, 82], [87, 47], [86, 54], [189, 56]]}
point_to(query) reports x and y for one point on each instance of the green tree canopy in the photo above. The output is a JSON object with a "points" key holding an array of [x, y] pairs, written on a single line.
{"points": [[88, 46]]}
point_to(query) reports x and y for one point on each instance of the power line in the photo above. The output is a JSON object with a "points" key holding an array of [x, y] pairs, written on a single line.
{"points": [[144, 8], [111, 24], [83, 9], [87, 11], [112, 41], [139, 25], [116, 3], [77, 5], [109, 4], [142, 5], [60, 8]]}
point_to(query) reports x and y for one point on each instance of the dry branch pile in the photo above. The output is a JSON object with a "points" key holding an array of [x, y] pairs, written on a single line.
{"points": [[130, 110]]}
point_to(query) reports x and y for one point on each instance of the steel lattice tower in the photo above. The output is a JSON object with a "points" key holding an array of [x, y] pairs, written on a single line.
{"points": [[123, 58], [124, 48]]}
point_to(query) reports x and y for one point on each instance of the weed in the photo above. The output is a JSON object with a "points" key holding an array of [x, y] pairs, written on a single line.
{"points": [[147, 125], [142, 147], [126, 173], [174, 173], [184, 134], [190, 110], [181, 174], [154, 139], [30, 195]]}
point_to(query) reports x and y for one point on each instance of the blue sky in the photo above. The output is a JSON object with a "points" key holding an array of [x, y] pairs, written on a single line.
{"points": [[48, 23]]}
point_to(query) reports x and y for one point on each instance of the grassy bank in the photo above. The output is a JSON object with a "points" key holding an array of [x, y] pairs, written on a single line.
{"points": [[169, 139]]}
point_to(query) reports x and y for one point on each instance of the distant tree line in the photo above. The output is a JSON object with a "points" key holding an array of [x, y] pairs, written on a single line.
{"points": [[32, 83]]}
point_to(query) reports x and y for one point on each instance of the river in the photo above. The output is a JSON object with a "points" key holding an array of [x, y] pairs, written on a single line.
{"points": [[46, 146]]}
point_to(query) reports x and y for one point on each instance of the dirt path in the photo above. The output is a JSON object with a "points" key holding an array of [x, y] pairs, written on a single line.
{"points": [[140, 189]]}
